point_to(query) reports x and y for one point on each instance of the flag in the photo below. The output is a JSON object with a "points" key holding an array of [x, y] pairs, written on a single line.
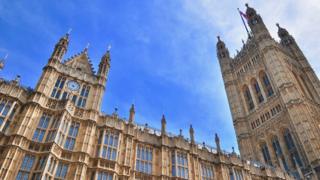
{"points": [[243, 15]]}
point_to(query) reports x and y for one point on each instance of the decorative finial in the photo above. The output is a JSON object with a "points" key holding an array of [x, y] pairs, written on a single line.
{"points": [[278, 25], [247, 5], [180, 132], [132, 112], [16, 81], [218, 38], [233, 150], [217, 140], [163, 125], [109, 47], [191, 131], [115, 113]]}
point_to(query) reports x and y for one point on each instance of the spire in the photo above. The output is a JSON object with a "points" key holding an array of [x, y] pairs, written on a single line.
{"points": [[163, 125], [131, 116], [217, 140], [60, 48], [191, 131], [104, 65]]}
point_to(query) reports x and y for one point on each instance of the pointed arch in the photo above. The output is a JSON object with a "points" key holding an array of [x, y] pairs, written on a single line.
{"points": [[257, 90], [248, 97], [267, 87]]}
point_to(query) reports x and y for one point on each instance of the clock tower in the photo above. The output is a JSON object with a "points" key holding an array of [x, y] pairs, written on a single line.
{"points": [[74, 79]]}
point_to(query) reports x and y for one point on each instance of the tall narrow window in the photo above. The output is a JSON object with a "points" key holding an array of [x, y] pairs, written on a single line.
{"points": [[231, 174], [10, 119], [257, 90], [109, 146], [42, 128], [248, 98], [83, 96], [266, 84], [26, 167], [57, 90], [266, 154], [295, 158], [72, 135], [61, 171], [278, 151], [144, 159], [238, 174], [105, 176], [180, 165], [39, 168], [53, 130], [207, 172], [5, 107]]}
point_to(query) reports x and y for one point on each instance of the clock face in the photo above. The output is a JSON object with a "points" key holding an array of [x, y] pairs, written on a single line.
{"points": [[73, 85]]}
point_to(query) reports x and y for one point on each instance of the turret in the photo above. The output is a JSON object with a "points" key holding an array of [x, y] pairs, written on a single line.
{"points": [[287, 41], [256, 24], [223, 56], [60, 48], [311, 80], [104, 65], [131, 116]]}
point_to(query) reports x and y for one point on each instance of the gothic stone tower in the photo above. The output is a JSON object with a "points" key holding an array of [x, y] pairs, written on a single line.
{"points": [[274, 98]]}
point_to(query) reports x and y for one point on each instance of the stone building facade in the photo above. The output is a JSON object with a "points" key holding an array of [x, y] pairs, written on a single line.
{"points": [[57, 131], [274, 97]]}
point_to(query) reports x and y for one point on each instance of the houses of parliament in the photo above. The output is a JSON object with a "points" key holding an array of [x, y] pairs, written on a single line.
{"points": [[57, 131]]}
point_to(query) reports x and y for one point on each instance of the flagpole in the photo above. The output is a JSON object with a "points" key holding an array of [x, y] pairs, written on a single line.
{"points": [[244, 23]]}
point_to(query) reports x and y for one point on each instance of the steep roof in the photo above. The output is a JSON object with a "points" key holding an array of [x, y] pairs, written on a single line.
{"points": [[81, 61]]}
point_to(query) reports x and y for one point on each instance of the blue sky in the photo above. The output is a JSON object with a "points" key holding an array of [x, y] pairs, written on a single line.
{"points": [[163, 52]]}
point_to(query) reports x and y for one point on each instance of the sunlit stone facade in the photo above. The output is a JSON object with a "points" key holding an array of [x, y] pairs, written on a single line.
{"points": [[57, 131], [274, 97]]}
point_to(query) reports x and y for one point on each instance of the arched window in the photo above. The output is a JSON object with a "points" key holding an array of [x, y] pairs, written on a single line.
{"points": [[294, 155], [266, 154], [257, 90], [248, 97], [278, 151], [266, 84]]}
